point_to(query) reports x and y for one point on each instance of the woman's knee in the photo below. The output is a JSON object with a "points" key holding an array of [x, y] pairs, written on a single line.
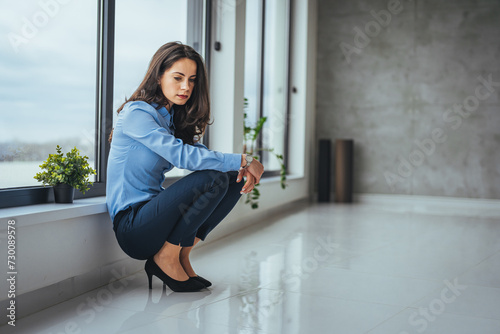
{"points": [[218, 180]]}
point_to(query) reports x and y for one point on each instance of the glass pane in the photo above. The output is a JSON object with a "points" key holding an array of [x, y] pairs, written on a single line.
{"points": [[253, 51], [47, 84], [154, 23], [275, 85]]}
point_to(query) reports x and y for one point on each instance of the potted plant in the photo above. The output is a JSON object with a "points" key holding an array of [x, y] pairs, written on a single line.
{"points": [[250, 135], [65, 174]]}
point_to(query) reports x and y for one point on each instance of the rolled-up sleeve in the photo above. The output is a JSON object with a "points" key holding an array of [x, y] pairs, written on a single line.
{"points": [[141, 126]]}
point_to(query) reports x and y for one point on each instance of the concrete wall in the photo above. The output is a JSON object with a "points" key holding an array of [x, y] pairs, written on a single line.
{"points": [[396, 88]]}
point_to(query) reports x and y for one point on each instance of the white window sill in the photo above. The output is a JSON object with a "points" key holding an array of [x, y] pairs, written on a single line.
{"points": [[42, 213]]}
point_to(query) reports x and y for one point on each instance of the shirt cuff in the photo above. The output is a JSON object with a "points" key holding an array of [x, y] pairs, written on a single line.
{"points": [[232, 161]]}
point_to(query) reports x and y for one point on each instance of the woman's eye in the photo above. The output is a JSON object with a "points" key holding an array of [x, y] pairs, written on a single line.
{"points": [[178, 78], [192, 80]]}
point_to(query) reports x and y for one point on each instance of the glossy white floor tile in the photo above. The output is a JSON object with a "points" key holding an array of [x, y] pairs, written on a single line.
{"points": [[326, 268], [416, 321], [359, 286], [461, 299], [485, 273], [274, 311]]}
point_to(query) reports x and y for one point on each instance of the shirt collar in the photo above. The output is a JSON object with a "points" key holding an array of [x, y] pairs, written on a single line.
{"points": [[168, 116]]}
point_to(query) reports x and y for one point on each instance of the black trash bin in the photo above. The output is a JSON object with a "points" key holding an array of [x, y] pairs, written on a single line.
{"points": [[344, 152], [324, 170]]}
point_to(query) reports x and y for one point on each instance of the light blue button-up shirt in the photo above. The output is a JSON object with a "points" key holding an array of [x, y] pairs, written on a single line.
{"points": [[144, 148]]}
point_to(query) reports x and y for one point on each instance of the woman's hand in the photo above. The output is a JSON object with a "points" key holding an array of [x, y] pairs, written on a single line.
{"points": [[250, 184], [256, 169], [253, 174]]}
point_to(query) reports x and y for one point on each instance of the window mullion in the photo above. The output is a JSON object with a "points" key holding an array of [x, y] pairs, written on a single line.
{"points": [[287, 118], [260, 139], [105, 85]]}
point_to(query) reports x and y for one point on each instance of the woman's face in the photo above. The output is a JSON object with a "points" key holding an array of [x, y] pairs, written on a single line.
{"points": [[177, 83]]}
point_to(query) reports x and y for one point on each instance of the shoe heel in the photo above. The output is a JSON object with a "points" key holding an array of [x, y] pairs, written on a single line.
{"points": [[150, 279]]}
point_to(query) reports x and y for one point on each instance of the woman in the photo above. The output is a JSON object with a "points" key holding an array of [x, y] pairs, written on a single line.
{"points": [[157, 128]]}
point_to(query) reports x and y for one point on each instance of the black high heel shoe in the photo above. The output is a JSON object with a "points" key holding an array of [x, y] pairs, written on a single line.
{"points": [[202, 280], [190, 285]]}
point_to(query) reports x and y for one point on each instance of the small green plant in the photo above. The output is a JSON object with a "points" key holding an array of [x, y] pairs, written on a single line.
{"points": [[250, 135], [72, 170]]}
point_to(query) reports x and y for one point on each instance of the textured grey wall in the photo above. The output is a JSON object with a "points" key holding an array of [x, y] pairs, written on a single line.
{"points": [[409, 83]]}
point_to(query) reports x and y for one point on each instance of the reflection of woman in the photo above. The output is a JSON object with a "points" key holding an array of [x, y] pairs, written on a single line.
{"points": [[157, 128]]}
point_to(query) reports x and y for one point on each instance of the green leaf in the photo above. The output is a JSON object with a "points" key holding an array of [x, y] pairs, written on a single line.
{"points": [[258, 127]]}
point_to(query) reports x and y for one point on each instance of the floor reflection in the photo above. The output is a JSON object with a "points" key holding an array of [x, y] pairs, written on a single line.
{"points": [[154, 311]]}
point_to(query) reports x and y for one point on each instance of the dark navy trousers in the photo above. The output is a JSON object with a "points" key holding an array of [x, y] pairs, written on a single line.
{"points": [[191, 207]]}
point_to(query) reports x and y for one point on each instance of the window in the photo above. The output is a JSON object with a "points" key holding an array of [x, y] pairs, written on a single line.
{"points": [[266, 74], [253, 60], [47, 86], [61, 66]]}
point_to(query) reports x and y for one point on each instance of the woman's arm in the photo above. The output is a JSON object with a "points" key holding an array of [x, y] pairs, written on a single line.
{"points": [[140, 125]]}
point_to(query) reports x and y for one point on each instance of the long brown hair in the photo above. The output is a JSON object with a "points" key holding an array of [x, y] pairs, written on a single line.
{"points": [[190, 119]]}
